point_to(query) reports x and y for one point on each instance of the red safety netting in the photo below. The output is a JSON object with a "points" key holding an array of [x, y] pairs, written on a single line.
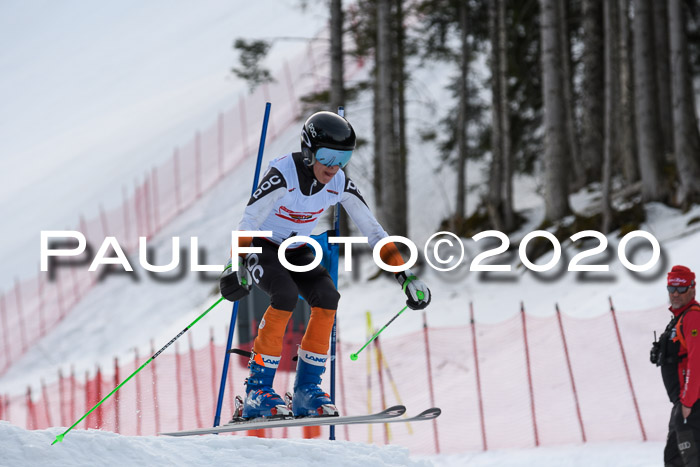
{"points": [[532, 381]]}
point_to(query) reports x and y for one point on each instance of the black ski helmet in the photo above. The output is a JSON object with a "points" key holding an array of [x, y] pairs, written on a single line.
{"points": [[330, 131]]}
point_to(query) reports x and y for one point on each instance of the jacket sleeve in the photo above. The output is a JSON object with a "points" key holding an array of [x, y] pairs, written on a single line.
{"points": [[359, 212], [271, 188], [691, 333]]}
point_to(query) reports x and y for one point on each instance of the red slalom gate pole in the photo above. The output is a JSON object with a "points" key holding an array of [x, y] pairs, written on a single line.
{"points": [[98, 392], [478, 378], [156, 199], [73, 395], [627, 370], [148, 214], [193, 366], [212, 362], [61, 408], [198, 165], [125, 213], [20, 313], [178, 379], [529, 376], [47, 408], [116, 396], [176, 175], [88, 401], [42, 321], [244, 126], [220, 143], [571, 374], [430, 381], [5, 330], [103, 221], [31, 413], [138, 392], [154, 382]]}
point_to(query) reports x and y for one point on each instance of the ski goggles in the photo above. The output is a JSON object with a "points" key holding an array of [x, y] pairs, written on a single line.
{"points": [[330, 157], [679, 289]]}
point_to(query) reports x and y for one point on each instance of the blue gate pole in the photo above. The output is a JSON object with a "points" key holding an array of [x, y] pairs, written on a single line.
{"points": [[335, 253], [234, 314]]}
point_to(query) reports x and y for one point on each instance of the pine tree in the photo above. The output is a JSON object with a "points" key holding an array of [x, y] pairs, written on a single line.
{"points": [[252, 53]]}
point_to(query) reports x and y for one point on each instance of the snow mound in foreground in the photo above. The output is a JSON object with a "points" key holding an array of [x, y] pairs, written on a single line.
{"points": [[21, 447]]}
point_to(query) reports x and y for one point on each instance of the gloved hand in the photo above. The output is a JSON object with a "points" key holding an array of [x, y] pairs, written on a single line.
{"points": [[235, 285], [417, 292]]}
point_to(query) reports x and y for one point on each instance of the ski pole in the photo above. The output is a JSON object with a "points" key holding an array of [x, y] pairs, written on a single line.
{"points": [[59, 438], [353, 356]]}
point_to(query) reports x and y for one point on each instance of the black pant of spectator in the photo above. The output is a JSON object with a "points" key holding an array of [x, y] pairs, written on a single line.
{"points": [[683, 438]]}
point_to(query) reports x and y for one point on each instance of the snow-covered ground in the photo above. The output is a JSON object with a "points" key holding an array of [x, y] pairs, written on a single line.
{"points": [[105, 94], [22, 448]]}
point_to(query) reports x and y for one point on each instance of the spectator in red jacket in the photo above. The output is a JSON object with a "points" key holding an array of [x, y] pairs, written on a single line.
{"points": [[678, 354]]}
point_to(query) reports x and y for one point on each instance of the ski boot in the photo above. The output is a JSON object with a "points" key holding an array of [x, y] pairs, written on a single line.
{"points": [[309, 400], [261, 400]]}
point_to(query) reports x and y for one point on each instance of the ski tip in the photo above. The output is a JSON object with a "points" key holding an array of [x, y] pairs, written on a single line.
{"points": [[396, 410], [433, 412]]}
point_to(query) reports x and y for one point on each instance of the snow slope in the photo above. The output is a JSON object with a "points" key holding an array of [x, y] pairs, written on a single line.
{"points": [[22, 448], [85, 448]]}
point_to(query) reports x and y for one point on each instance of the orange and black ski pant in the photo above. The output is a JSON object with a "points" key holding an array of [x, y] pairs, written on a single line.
{"points": [[284, 286]]}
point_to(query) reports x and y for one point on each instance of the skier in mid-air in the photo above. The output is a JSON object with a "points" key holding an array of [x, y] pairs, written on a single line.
{"points": [[296, 189]]}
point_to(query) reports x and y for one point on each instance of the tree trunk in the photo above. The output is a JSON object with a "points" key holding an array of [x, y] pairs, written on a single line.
{"points": [[337, 83], [685, 120], [628, 144], [461, 204], [649, 137], [337, 86], [611, 90], [593, 85], [578, 175], [376, 128], [506, 150], [663, 78], [401, 197], [556, 193], [495, 193], [390, 161]]}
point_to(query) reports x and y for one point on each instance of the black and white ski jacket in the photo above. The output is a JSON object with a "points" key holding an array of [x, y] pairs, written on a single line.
{"points": [[289, 201]]}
